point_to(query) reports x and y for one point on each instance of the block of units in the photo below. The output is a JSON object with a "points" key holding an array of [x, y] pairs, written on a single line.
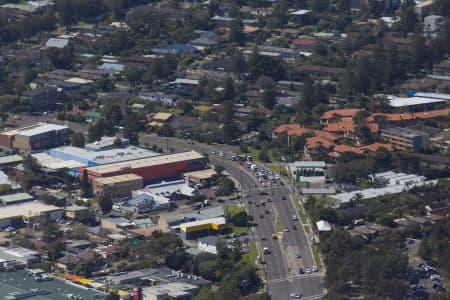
{"points": [[35, 137], [407, 139], [152, 169], [117, 187], [195, 229]]}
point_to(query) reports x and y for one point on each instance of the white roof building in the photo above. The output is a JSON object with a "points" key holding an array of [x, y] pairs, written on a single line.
{"points": [[57, 43], [323, 225]]}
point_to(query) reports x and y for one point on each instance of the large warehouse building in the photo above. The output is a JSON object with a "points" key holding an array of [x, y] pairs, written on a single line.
{"points": [[35, 137], [152, 169], [34, 212]]}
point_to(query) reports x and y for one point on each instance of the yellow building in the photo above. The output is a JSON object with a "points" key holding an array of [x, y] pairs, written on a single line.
{"points": [[195, 229], [77, 213]]}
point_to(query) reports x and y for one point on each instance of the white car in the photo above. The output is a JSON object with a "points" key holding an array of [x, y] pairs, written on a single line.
{"points": [[314, 269], [294, 217], [308, 271], [296, 296]]}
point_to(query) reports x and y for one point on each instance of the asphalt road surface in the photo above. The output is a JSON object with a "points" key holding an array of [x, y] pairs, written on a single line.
{"points": [[281, 265]]}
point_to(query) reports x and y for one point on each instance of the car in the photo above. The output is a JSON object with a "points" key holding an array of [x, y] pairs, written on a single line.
{"points": [[213, 152], [298, 256], [308, 271], [261, 216], [294, 217], [266, 250], [255, 185], [301, 271], [314, 269], [267, 211], [263, 193], [296, 296], [294, 227], [286, 229], [263, 239], [284, 197]]}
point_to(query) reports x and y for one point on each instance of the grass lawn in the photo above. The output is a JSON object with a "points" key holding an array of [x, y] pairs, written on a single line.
{"points": [[254, 153], [316, 256], [251, 256], [302, 217], [307, 230], [232, 210], [239, 229], [279, 225]]}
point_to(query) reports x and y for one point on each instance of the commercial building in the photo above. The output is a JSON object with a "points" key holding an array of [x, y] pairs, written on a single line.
{"points": [[172, 290], [21, 255], [35, 137], [77, 213], [15, 198], [29, 212], [379, 192], [152, 169], [201, 177], [117, 187], [143, 203], [309, 171], [407, 139], [106, 142], [92, 157], [208, 244], [196, 229], [173, 190]]}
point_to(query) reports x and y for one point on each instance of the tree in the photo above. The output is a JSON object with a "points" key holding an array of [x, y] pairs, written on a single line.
{"points": [[240, 218], [54, 250], [419, 51], [219, 169], [77, 139], [84, 269], [235, 34], [105, 204], [319, 6], [263, 156], [228, 92], [225, 187], [85, 184], [269, 98], [65, 12]]}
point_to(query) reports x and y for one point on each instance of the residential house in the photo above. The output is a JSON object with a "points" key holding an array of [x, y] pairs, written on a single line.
{"points": [[57, 43], [328, 72], [304, 44], [169, 99], [431, 23], [176, 49]]}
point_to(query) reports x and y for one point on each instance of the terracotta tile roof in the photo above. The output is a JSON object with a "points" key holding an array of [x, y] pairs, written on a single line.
{"points": [[375, 146], [249, 29], [304, 42], [326, 135], [339, 127], [347, 148], [433, 113], [316, 141], [341, 113], [290, 129], [410, 116]]}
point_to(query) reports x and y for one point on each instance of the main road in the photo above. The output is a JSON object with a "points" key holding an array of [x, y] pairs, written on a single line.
{"points": [[291, 250]]}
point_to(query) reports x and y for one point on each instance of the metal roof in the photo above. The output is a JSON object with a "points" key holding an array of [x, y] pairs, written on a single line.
{"points": [[10, 159], [44, 128], [146, 162]]}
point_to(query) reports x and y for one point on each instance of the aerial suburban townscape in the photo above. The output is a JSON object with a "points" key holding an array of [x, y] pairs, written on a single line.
{"points": [[225, 150]]}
